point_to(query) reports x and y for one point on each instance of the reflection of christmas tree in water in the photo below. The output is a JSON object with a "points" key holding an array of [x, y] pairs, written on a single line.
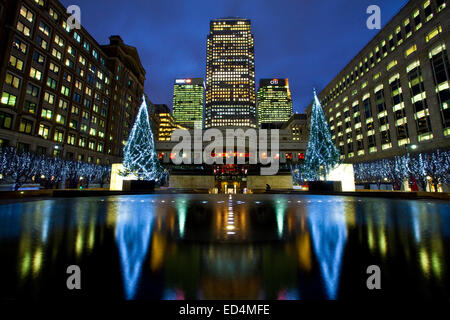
{"points": [[321, 155], [329, 235], [140, 157], [133, 232]]}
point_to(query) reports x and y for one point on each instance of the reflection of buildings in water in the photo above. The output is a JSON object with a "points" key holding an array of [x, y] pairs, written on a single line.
{"points": [[350, 214], [303, 245], [230, 289], [280, 211], [231, 261], [429, 238], [230, 220], [42, 237], [320, 229], [231, 272], [181, 206], [298, 229], [158, 249], [230, 268], [418, 234], [33, 238], [133, 230], [329, 235], [378, 218]]}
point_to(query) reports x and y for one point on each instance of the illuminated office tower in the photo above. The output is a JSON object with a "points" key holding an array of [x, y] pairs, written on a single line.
{"points": [[274, 101], [188, 102], [163, 123], [230, 74]]}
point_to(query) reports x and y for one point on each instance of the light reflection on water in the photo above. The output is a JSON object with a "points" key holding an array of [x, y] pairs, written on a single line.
{"points": [[133, 230], [220, 247], [329, 234]]}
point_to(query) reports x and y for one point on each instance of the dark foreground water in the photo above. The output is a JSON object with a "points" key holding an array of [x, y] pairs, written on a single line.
{"points": [[217, 247]]}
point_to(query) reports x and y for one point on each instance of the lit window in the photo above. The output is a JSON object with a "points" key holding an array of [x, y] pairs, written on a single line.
{"points": [[391, 65], [410, 50], [433, 33], [23, 29], [8, 99], [27, 14], [12, 80], [43, 131]]}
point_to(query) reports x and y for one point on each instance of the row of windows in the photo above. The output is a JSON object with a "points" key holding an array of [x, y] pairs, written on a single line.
{"points": [[440, 65], [40, 59], [52, 83], [46, 113], [382, 50], [46, 30], [26, 127]]}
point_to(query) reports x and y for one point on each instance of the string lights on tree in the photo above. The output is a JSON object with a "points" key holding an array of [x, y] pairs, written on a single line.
{"points": [[321, 154], [20, 168], [140, 157], [423, 169]]}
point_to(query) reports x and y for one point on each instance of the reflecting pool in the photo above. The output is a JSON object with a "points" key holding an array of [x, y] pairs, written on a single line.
{"points": [[224, 247]]}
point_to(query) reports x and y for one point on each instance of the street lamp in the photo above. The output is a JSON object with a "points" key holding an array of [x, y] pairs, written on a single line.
{"points": [[411, 147]]}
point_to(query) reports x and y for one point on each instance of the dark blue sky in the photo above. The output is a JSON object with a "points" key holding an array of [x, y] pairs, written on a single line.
{"points": [[307, 41]]}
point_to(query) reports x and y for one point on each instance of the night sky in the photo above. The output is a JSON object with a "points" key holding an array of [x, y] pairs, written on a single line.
{"points": [[307, 41]]}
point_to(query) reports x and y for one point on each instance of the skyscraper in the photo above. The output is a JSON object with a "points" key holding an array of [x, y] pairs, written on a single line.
{"points": [[274, 101], [188, 102], [230, 74]]}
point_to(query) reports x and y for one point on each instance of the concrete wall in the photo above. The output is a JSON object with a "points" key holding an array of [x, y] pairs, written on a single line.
{"points": [[275, 182], [208, 182], [193, 182]]}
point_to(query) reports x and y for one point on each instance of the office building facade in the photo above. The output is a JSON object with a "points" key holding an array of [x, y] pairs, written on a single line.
{"points": [[63, 94], [298, 126], [165, 123], [274, 101], [188, 98], [230, 74], [394, 96]]}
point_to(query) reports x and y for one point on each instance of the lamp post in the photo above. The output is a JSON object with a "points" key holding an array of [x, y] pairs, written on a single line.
{"points": [[411, 147]]}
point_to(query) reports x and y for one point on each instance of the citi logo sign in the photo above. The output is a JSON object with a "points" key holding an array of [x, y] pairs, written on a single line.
{"points": [[274, 81]]}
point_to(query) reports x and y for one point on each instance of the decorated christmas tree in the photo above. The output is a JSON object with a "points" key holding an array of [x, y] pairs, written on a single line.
{"points": [[140, 157], [321, 155]]}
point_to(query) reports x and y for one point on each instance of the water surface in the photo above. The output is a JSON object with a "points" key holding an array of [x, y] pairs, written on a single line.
{"points": [[222, 247]]}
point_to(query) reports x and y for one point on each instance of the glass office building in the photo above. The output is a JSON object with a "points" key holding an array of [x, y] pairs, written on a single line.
{"points": [[230, 74], [188, 102], [274, 101]]}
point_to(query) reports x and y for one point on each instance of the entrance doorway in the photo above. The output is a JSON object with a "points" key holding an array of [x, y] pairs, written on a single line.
{"points": [[230, 187], [231, 179]]}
